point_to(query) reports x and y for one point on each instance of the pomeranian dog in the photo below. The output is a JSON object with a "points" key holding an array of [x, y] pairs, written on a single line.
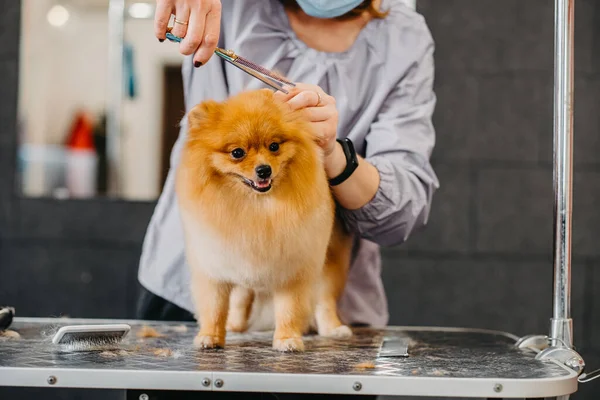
{"points": [[260, 222]]}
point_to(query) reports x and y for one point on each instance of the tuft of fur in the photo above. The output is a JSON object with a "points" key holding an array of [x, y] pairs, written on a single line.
{"points": [[149, 332], [365, 365], [162, 352], [8, 334], [256, 246]]}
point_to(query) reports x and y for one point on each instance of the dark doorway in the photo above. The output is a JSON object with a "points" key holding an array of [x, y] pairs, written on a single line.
{"points": [[173, 111]]}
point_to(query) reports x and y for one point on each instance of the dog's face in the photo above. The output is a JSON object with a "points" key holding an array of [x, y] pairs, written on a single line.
{"points": [[257, 159], [250, 140]]}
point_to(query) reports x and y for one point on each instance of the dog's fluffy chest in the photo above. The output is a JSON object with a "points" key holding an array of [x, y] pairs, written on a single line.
{"points": [[256, 261]]}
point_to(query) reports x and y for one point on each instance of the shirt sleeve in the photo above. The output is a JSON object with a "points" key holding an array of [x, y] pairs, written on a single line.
{"points": [[399, 145]]}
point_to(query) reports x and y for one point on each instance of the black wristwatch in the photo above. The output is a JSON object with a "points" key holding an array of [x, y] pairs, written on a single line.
{"points": [[351, 162]]}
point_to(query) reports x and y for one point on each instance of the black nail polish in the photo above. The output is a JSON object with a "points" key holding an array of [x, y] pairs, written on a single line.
{"points": [[197, 64], [161, 40]]}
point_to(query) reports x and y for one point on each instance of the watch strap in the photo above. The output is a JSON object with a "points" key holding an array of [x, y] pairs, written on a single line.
{"points": [[351, 162]]}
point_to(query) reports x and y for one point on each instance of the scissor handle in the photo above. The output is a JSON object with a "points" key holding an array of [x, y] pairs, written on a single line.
{"points": [[173, 38]]}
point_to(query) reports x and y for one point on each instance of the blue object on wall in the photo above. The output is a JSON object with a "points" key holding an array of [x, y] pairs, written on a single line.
{"points": [[129, 71]]}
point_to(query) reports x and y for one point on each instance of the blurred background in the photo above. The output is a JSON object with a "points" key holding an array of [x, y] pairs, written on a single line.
{"points": [[67, 82], [83, 158]]}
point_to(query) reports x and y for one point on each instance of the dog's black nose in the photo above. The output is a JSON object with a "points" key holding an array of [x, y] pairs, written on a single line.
{"points": [[263, 171]]}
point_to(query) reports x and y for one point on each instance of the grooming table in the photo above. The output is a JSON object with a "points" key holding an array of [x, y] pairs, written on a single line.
{"points": [[441, 362]]}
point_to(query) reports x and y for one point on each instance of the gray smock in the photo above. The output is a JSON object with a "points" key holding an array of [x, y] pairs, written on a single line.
{"points": [[383, 86]]}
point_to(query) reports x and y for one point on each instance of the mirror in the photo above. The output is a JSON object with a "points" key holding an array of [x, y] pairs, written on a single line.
{"points": [[100, 100]]}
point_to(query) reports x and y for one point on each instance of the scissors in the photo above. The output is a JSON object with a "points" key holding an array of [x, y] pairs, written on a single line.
{"points": [[261, 73]]}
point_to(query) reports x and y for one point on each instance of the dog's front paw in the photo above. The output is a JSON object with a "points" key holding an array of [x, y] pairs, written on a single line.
{"points": [[209, 342], [288, 345], [340, 332]]}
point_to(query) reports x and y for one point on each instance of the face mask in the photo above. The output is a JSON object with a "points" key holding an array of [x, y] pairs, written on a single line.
{"points": [[327, 8]]}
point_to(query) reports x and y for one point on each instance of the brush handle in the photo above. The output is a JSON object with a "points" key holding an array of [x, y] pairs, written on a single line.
{"points": [[84, 332]]}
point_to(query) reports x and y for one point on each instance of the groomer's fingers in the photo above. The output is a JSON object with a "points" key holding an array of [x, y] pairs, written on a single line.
{"points": [[182, 19], [294, 90], [308, 98], [164, 9], [195, 31], [212, 31], [284, 97], [318, 114], [320, 130]]}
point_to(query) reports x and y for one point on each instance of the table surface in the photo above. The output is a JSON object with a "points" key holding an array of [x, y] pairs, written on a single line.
{"points": [[440, 362]]}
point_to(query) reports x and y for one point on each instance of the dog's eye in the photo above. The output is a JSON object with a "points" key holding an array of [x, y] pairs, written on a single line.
{"points": [[238, 153], [274, 147]]}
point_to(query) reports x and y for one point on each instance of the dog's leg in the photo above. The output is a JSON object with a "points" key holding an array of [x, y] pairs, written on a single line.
{"points": [[293, 308], [332, 284], [240, 305], [212, 300], [328, 322]]}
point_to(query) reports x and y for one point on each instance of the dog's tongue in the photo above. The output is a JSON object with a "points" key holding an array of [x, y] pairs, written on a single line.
{"points": [[263, 184]]}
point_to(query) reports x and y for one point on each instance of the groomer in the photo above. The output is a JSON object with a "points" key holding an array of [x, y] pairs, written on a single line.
{"points": [[371, 63]]}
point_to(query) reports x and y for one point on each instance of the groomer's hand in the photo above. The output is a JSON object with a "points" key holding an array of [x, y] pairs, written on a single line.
{"points": [[320, 110], [197, 21]]}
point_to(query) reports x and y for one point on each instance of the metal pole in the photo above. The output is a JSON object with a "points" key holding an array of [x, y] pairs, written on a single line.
{"points": [[116, 21], [561, 327], [561, 324]]}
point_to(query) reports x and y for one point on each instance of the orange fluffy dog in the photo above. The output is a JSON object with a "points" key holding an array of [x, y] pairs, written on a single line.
{"points": [[259, 222]]}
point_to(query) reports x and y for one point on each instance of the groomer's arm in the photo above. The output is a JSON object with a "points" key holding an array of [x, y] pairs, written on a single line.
{"points": [[389, 195], [197, 21], [397, 159], [360, 188]]}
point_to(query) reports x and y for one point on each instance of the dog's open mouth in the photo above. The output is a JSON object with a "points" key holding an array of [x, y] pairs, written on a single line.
{"points": [[262, 185]]}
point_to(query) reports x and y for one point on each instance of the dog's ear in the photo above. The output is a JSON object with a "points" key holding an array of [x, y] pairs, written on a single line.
{"points": [[207, 111]]}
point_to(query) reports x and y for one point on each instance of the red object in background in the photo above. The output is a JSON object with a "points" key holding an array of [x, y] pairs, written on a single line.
{"points": [[81, 136]]}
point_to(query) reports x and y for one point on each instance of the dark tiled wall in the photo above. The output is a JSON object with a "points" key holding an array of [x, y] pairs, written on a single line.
{"points": [[486, 258]]}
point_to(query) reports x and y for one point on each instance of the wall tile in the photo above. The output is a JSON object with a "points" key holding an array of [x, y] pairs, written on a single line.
{"points": [[590, 390], [8, 112], [448, 228], [455, 116], [9, 28], [514, 211], [529, 44], [62, 279], [514, 112], [98, 219], [7, 216], [507, 36], [586, 218], [489, 36], [586, 123], [469, 37], [8, 101], [593, 313], [512, 296], [586, 36]]}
